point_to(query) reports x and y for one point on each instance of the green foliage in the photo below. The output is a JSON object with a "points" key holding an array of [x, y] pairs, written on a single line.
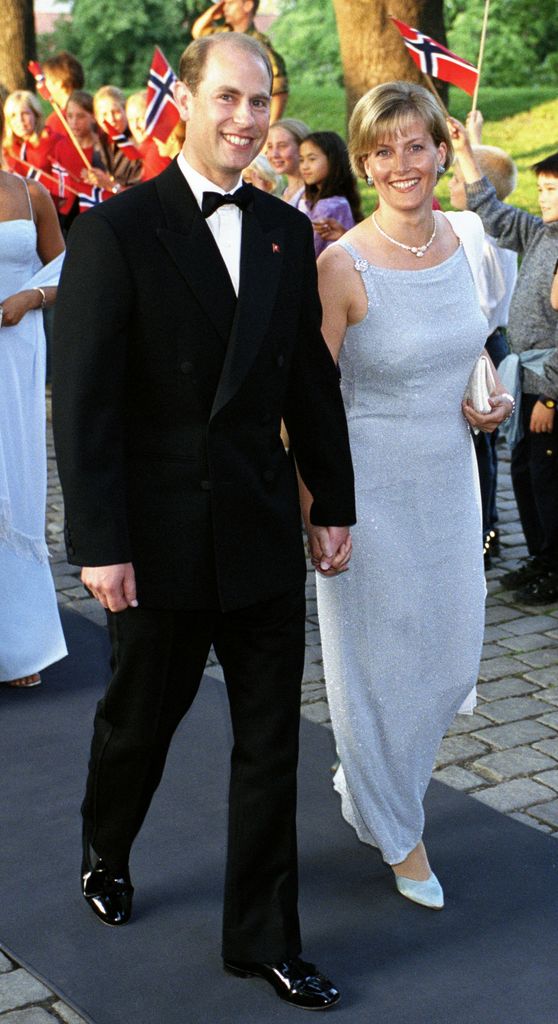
{"points": [[521, 43], [305, 34], [115, 40]]}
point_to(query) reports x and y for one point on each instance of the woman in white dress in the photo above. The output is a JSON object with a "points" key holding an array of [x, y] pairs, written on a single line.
{"points": [[402, 630], [30, 259]]}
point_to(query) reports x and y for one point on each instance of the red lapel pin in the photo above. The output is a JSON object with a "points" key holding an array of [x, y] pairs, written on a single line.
{"points": [[275, 247]]}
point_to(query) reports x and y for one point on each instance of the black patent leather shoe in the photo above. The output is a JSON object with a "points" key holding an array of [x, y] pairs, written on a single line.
{"points": [[108, 894], [295, 981]]}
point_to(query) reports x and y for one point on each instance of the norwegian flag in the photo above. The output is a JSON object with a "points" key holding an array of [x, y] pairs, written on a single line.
{"points": [[434, 59], [91, 195], [122, 141], [55, 182], [161, 114], [61, 174], [39, 76]]}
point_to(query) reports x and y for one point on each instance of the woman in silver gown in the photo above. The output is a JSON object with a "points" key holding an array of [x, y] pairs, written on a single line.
{"points": [[402, 630]]}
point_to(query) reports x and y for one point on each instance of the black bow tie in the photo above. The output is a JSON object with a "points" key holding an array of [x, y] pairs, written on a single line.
{"points": [[243, 198]]}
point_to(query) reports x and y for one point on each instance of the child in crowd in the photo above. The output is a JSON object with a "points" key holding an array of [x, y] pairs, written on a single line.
{"points": [[261, 175], [25, 138], [533, 336], [152, 162], [281, 149], [63, 76], [496, 283], [79, 114], [330, 196]]}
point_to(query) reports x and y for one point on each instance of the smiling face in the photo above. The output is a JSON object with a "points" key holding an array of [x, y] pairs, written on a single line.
{"points": [[404, 166], [21, 119], [547, 187], [313, 165], [227, 119], [282, 151], [109, 110]]}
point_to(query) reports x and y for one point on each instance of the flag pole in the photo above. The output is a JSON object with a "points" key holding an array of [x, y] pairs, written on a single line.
{"points": [[481, 55], [430, 85], [71, 135]]}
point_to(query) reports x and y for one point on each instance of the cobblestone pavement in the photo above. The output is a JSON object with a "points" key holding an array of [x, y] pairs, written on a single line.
{"points": [[506, 754]]}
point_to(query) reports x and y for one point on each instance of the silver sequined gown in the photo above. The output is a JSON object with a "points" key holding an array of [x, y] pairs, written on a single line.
{"points": [[402, 630]]}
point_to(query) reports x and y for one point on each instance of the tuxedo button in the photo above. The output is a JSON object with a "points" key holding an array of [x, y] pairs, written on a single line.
{"points": [[280, 361], [269, 476], [186, 368], [205, 485]]}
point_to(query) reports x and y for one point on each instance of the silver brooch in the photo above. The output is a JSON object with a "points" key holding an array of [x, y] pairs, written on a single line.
{"points": [[361, 265]]}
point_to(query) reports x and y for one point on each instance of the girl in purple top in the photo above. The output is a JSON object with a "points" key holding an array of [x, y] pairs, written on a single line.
{"points": [[330, 196]]}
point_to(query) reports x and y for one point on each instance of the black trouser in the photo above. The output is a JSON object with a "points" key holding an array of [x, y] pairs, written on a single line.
{"points": [[158, 658], [534, 471]]}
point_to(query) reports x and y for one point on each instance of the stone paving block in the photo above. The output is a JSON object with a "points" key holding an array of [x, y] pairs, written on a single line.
{"points": [[465, 723], [491, 651], [498, 667], [30, 1015], [541, 659], [314, 672], [532, 624], [316, 712], [547, 812], [549, 747], [515, 734], [66, 1014], [549, 778], [5, 964], [553, 633], [509, 764], [17, 988], [528, 820], [497, 614], [514, 795], [458, 748], [511, 709], [216, 672], [496, 632], [458, 778], [542, 676], [523, 642], [512, 686], [551, 719], [548, 696]]}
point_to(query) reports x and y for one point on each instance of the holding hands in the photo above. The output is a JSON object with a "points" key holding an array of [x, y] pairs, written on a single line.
{"points": [[330, 548]]}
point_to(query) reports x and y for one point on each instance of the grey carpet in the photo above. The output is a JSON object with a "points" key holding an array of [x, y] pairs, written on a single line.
{"points": [[488, 958]]}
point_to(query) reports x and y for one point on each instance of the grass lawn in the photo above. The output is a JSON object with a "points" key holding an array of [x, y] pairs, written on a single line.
{"points": [[523, 121]]}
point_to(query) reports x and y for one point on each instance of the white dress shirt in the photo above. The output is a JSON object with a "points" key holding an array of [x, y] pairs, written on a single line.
{"points": [[497, 276], [225, 223]]}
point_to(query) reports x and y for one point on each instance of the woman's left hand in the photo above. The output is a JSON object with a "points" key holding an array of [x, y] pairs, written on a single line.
{"points": [[16, 306], [501, 409]]}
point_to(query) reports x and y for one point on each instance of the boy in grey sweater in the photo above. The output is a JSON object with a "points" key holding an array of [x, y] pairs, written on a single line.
{"points": [[533, 324]]}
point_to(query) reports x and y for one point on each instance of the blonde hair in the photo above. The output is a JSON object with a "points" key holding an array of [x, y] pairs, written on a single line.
{"points": [[498, 167], [262, 167], [110, 92], [385, 110], [298, 129], [24, 98]]}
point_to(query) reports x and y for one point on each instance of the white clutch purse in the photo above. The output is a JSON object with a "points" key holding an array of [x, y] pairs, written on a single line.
{"points": [[481, 385]]}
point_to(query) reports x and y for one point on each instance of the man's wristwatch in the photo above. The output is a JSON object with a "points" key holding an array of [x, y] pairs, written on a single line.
{"points": [[549, 403]]}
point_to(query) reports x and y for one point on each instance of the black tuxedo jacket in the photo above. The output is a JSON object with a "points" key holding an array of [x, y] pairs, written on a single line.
{"points": [[169, 392]]}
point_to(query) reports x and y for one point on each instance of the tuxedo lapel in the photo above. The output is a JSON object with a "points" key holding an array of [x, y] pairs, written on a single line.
{"points": [[260, 270], [193, 249]]}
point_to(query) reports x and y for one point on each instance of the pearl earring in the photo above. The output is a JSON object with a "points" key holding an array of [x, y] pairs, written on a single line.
{"points": [[441, 170], [370, 181]]}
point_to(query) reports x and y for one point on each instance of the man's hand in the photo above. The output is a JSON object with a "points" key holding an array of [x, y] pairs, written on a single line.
{"points": [[330, 548], [114, 586], [542, 419]]}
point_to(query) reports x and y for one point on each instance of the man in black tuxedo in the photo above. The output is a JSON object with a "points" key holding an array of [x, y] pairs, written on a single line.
{"points": [[187, 326]]}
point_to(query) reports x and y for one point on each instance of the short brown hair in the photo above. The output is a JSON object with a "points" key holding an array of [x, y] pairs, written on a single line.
{"points": [[67, 69], [83, 100], [193, 60], [385, 109], [498, 167]]}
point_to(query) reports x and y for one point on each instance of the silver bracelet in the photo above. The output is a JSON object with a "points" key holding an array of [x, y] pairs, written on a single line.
{"points": [[43, 296], [511, 399]]}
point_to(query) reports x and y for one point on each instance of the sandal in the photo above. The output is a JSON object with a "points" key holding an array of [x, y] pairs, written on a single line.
{"points": [[25, 681]]}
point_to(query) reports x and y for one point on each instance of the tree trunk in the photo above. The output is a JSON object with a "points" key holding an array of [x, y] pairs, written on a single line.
{"points": [[17, 44], [372, 49]]}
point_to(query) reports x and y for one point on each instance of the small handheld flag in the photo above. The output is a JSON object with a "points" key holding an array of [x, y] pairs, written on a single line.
{"points": [[161, 114], [435, 60], [40, 81], [122, 141]]}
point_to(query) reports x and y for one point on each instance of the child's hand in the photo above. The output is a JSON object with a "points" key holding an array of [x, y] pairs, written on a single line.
{"points": [[329, 229], [458, 136], [474, 122]]}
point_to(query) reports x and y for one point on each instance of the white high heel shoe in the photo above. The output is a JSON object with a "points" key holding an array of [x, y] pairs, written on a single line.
{"points": [[428, 893]]}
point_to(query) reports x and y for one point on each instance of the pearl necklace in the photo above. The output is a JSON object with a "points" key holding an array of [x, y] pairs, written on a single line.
{"points": [[417, 250]]}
